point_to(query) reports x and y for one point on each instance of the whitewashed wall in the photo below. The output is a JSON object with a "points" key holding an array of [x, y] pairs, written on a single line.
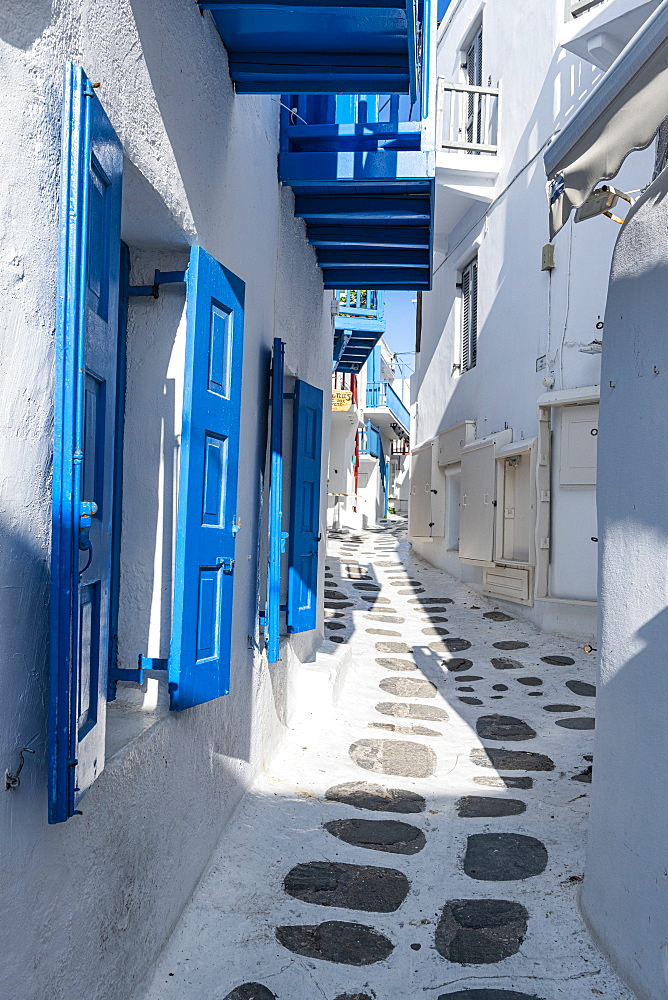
{"points": [[625, 893], [523, 312], [86, 905]]}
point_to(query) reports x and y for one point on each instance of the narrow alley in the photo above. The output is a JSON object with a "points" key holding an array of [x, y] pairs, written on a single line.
{"points": [[422, 830]]}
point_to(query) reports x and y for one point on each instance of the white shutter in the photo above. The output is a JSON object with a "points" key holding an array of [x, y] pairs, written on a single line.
{"points": [[419, 511], [579, 435]]}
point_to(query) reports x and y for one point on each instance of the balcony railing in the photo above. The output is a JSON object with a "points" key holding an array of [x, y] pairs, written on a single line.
{"points": [[360, 303], [469, 117], [369, 441], [382, 394]]}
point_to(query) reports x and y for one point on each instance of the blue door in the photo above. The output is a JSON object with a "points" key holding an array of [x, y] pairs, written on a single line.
{"points": [[276, 534], [304, 528], [83, 455], [199, 660]]}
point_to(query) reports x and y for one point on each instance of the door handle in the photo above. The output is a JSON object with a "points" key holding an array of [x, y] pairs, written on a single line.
{"points": [[226, 563], [86, 510]]}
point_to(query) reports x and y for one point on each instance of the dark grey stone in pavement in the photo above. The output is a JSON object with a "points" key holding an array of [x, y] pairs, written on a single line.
{"points": [[584, 776], [487, 995], [381, 631], [579, 722], [498, 616], [366, 586], [480, 931], [408, 687], [338, 604], [504, 857], [388, 835], [399, 757], [340, 941], [511, 760], [561, 708], [471, 701], [251, 991], [504, 781], [505, 663], [374, 599], [377, 798], [457, 663], [431, 600], [334, 625], [335, 595], [354, 996], [385, 618], [415, 590], [404, 710], [394, 663], [467, 679], [356, 887], [392, 727], [582, 689], [559, 661], [473, 806], [510, 644], [466, 688], [392, 647], [434, 618], [530, 681], [504, 727], [450, 645], [435, 630], [500, 687]]}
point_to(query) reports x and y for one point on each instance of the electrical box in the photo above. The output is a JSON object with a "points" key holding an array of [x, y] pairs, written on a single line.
{"points": [[478, 498], [508, 582], [426, 512], [547, 260], [419, 510], [579, 434], [452, 440], [516, 503]]}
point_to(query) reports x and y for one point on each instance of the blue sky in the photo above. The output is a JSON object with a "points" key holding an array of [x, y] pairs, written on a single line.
{"points": [[400, 321]]}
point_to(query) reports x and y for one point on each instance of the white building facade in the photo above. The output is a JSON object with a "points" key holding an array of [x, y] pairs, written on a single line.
{"points": [[507, 382], [87, 903]]}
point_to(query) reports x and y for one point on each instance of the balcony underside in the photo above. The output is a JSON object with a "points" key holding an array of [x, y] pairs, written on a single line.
{"points": [[387, 422], [319, 47], [353, 347], [366, 233]]}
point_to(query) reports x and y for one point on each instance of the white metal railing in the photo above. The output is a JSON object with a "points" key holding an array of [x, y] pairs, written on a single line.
{"points": [[468, 117]]}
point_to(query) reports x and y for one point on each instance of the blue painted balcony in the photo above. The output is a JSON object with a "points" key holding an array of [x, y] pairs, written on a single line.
{"points": [[370, 441], [380, 396], [320, 47], [363, 181], [358, 326]]}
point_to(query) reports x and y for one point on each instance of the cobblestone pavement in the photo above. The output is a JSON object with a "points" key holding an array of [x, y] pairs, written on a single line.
{"points": [[426, 837]]}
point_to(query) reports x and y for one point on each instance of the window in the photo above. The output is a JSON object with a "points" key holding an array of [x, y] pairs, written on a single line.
{"points": [[473, 69], [576, 7], [469, 286]]}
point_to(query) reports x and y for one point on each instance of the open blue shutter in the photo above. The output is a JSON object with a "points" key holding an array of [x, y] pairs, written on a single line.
{"points": [[276, 534], [199, 660], [84, 408], [305, 508]]}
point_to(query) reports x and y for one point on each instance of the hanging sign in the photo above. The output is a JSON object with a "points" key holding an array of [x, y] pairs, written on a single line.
{"points": [[342, 399]]}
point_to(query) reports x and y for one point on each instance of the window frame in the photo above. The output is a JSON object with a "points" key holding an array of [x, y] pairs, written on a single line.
{"points": [[468, 288]]}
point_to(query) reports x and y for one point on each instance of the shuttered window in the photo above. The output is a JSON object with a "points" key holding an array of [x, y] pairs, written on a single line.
{"points": [[469, 315], [474, 79], [577, 7]]}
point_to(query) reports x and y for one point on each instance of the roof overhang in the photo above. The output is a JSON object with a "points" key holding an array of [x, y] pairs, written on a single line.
{"points": [[621, 114]]}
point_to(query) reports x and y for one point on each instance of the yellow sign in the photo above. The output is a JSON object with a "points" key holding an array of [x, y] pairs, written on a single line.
{"points": [[342, 399]]}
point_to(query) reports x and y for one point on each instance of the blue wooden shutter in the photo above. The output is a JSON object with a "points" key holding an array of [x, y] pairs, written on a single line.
{"points": [[199, 660], [305, 508], [276, 534], [84, 410]]}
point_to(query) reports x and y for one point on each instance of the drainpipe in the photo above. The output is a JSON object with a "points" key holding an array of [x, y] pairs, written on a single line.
{"points": [[353, 386]]}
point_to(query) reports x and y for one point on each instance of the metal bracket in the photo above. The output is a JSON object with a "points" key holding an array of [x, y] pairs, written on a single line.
{"points": [[137, 675], [160, 278], [14, 780]]}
